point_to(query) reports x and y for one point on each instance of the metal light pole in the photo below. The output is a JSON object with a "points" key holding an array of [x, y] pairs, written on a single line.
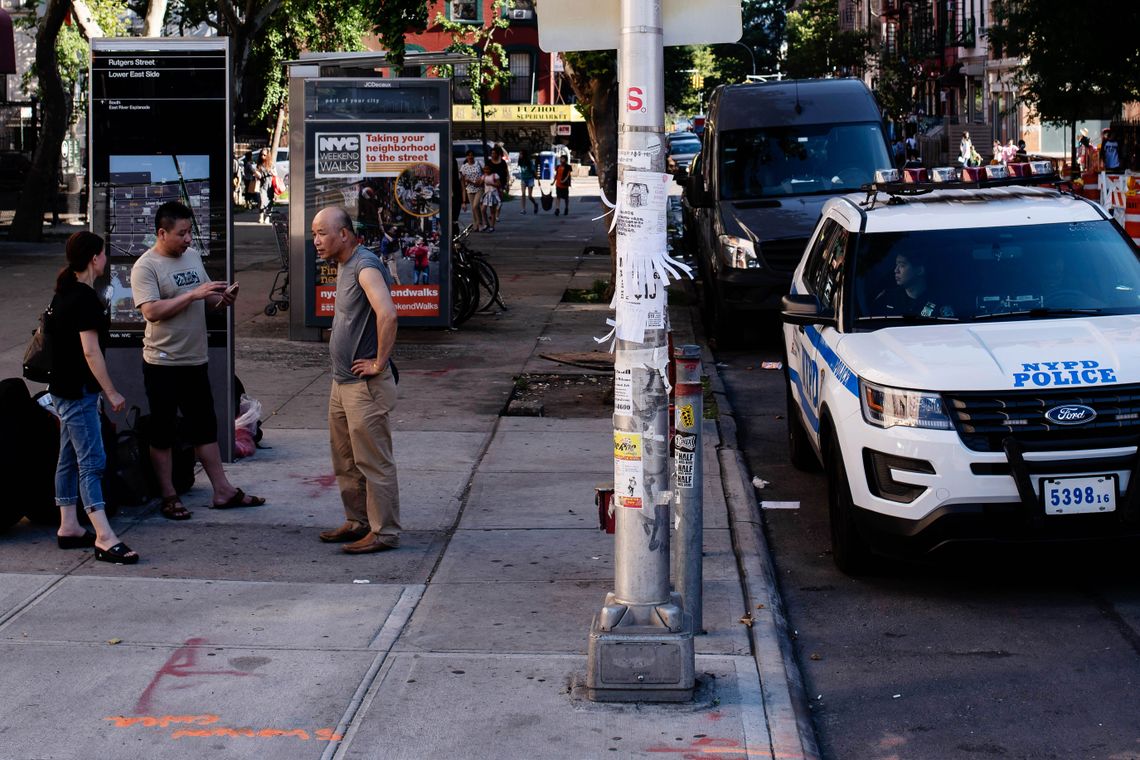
{"points": [[750, 55], [641, 643], [688, 539]]}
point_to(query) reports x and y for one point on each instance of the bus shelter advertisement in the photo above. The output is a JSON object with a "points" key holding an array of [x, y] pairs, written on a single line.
{"points": [[392, 181]]}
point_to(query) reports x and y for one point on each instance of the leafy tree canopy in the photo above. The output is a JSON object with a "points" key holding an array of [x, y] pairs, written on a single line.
{"points": [[817, 47], [1077, 63]]}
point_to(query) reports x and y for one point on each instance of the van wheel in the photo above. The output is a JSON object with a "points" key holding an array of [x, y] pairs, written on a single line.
{"points": [[799, 444], [849, 550]]}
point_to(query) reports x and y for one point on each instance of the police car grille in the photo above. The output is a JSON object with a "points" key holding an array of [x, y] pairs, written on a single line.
{"points": [[783, 255], [985, 420]]}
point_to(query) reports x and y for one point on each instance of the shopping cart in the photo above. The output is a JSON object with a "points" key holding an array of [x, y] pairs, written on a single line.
{"points": [[279, 293]]}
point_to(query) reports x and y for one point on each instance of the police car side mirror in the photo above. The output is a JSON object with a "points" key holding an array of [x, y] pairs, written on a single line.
{"points": [[804, 309]]}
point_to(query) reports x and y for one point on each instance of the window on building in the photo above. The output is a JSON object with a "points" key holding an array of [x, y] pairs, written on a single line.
{"points": [[462, 90], [522, 77], [465, 10]]}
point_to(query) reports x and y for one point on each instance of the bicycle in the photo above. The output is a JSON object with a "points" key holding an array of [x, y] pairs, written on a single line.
{"points": [[475, 283]]}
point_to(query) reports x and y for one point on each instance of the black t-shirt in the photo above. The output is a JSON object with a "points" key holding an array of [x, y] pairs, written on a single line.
{"points": [[500, 167], [75, 309]]}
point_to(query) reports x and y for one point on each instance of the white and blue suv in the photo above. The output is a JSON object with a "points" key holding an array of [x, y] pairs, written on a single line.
{"points": [[964, 360]]}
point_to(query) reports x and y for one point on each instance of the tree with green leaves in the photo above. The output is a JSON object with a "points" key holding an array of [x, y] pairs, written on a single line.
{"points": [[61, 56], [491, 67], [816, 45], [1073, 65]]}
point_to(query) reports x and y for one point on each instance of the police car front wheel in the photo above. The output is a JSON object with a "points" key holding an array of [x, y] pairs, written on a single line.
{"points": [[849, 549]]}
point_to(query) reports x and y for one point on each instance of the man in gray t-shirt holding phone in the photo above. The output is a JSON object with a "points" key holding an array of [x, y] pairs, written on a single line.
{"points": [[363, 389]]}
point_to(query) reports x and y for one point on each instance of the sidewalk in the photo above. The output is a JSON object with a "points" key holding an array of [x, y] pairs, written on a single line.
{"points": [[241, 634]]}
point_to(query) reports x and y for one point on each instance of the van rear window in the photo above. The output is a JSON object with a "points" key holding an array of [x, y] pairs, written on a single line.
{"points": [[811, 159]]}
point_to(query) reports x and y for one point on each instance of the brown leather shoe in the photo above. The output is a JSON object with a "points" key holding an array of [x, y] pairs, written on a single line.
{"points": [[346, 532], [373, 542]]}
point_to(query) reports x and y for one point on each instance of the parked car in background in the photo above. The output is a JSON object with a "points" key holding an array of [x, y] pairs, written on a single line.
{"points": [[681, 147], [772, 154]]}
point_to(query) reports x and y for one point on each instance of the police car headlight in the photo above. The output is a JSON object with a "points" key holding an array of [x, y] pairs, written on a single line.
{"points": [[887, 407], [738, 253]]}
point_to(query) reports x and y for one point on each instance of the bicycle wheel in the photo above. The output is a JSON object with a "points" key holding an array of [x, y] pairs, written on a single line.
{"points": [[488, 284], [464, 297]]}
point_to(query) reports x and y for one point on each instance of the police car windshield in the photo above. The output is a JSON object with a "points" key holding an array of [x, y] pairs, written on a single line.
{"points": [[771, 162], [1040, 271]]}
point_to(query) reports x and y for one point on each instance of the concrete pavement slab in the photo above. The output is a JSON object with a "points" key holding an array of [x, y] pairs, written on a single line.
{"points": [[226, 613], [548, 617], [265, 552], [17, 590], [161, 703], [529, 617], [521, 500], [521, 706], [496, 556], [516, 451], [603, 426]]}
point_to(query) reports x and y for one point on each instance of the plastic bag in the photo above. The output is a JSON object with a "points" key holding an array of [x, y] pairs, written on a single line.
{"points": [[249, 414], [246, 426]]}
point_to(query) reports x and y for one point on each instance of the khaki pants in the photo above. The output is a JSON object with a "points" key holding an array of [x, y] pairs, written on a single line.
{"points": [[361, 442]]}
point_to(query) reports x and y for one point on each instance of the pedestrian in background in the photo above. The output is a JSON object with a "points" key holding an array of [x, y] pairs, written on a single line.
{"points": [[421, 263], [499, 164], [389, 247], [491, 199], [78, 327], [562, 180], [471, 171], [527, 174], [266, 175], [173, 291], [1109, 151], [363, 392]]}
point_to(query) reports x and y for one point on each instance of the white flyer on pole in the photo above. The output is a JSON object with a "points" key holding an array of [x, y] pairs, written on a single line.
{"points": [[641, 241]]}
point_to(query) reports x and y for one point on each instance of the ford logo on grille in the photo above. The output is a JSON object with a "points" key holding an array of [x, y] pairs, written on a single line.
{"points": [[1071, 414]]}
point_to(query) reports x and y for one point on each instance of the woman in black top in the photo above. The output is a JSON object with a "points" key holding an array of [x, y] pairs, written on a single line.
{"points": [[78, 327]]}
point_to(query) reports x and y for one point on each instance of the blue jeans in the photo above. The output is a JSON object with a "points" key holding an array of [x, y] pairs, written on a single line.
{"points": [[81, 456]]}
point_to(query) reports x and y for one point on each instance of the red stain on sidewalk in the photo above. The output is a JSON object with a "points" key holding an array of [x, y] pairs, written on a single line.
{"points": [[182, 664]]}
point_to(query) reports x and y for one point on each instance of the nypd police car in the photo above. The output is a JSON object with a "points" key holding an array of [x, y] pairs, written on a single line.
{"points": [[964, 360]]}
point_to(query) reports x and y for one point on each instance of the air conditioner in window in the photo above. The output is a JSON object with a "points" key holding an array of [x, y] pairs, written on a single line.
{"points": [[522, 14]]}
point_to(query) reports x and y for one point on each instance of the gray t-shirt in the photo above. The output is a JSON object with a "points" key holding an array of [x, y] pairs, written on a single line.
{"points": [[181, 339], [354, 322]]}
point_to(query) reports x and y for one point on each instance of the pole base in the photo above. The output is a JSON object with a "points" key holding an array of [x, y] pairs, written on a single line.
{"points": [[640, 663]]}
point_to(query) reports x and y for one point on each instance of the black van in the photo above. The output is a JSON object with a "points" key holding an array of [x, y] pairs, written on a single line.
{"points": [[771, 154]]}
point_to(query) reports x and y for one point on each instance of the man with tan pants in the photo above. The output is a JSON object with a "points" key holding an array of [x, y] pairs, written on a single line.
{"points": [[363, 389]]}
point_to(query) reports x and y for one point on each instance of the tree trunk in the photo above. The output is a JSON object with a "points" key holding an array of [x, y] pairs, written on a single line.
{"points": [[598, 90], [42, 183], [155, 16]]}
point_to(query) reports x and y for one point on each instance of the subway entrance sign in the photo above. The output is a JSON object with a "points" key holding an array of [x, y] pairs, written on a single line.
{"points": [[380, 148]]}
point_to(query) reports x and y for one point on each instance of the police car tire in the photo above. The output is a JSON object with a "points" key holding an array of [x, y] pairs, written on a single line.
{"points": [[849, 550], [800, 451]]}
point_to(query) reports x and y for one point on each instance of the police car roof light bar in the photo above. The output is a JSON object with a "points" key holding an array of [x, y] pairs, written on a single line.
{"points": [[889, 182]]}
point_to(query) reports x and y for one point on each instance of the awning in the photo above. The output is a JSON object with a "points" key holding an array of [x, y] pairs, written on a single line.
{"points": [[7, 44]]}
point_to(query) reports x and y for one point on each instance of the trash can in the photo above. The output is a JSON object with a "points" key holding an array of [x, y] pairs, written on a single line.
{"points": [[546, 165]]}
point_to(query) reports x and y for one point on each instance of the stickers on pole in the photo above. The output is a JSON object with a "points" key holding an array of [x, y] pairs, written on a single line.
{"points": [[629, 488], [623, 390], [685, 457]]}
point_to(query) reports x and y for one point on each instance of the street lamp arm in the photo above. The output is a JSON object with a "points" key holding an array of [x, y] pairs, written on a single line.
{"points": [[750, 55]]}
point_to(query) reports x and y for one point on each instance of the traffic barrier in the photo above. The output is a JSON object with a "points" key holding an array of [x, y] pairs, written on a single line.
{"points": [[1132, 217]]}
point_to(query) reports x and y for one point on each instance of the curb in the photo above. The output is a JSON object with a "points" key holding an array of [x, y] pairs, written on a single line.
{"points": [[785, 701]]}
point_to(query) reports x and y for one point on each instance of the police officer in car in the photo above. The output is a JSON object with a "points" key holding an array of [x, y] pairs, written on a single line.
{"points": [[911, 296]]}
